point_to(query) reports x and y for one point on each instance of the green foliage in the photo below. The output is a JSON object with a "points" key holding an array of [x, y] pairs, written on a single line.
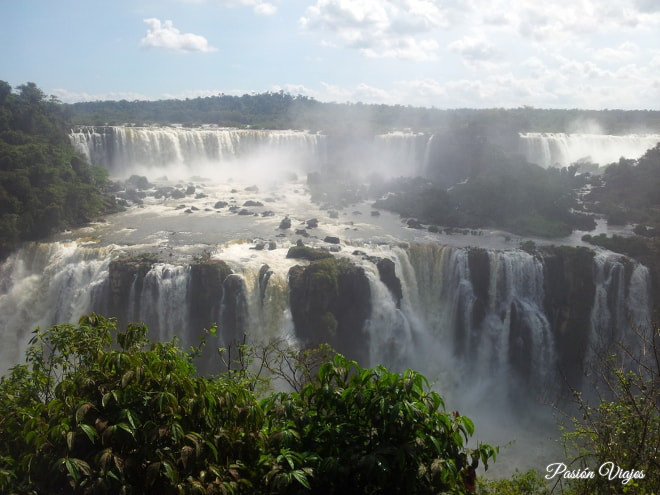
{"points": [[98, 411], [509, 194], [44, 185], [630, 191], [373, 429], [623, 428], [528, 483], [308, 253]]}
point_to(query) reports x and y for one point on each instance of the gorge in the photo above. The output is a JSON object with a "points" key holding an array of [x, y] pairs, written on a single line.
{"points": [[202, 245]]}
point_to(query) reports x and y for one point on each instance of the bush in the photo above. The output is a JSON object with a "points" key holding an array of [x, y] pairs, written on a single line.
{"points": [[87, 415]]}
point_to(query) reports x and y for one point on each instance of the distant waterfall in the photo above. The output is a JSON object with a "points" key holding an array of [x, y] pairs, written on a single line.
{"points": [[124, 150], [559, 149], [402, 154]]}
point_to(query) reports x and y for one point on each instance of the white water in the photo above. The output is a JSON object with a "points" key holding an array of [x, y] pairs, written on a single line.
{"points": [[559, 149], [434, 329], [207, 152], [402, 154]]}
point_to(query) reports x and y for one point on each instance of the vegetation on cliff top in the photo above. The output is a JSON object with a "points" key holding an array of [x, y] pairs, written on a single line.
{"points": [[44, 185]]}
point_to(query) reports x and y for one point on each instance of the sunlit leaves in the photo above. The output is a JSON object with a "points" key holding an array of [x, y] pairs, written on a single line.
{"points": [[85, 416]]}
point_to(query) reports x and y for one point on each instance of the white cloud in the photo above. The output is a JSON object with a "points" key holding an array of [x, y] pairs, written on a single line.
{"points": [[165, 35], [473, 48], [400, 29], [624, 52], [259, 7]]}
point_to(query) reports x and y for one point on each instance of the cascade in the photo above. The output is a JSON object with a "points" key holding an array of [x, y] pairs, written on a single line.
{"points": [[559, 149], [126, 150], [402, 154]]}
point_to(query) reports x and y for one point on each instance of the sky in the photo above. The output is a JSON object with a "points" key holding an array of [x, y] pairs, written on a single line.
{"points": [[595, 54]]}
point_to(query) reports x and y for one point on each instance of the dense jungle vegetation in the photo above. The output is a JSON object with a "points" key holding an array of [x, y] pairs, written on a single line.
{"points": [[280, 110], [45, 185], [85, 416]]}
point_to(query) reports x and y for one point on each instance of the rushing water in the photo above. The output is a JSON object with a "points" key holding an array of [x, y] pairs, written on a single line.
{"points": [[559, 149], [482, 335]]}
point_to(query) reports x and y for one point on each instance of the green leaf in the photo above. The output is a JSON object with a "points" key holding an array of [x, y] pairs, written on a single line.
{"points": [[301, 478], [89, 431], [468, 424]]}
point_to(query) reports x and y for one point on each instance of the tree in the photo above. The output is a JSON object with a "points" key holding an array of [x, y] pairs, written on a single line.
{"points": [[91, 413], [619, 437]]}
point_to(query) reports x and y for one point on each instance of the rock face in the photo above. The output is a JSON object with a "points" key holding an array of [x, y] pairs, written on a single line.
{"points": [[126, 278], [479, 265], [569, 290], [330, 301], [206, 291], [388, 276]]}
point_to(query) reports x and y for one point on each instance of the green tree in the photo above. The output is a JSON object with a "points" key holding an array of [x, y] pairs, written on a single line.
{"points": [[94, 414], [621, 432]]}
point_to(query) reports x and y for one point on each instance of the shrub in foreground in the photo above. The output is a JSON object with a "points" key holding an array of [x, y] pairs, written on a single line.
{"points": [[87, 415]]}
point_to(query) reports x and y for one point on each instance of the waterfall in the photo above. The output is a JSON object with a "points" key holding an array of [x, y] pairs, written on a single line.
{"points": [[183, 151], [559, 149], [45, 284], [402, 154], [466, 313]]}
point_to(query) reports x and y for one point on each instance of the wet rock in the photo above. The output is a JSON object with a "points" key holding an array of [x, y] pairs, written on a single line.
{"points": [[253, 203], [252, 189], [331, 239], [177, 194], [330, 302], [220, 204], [190, 190], [307, 253], [285, 223], [312, 223], [201, 196], [375, 213], [268, 213], [302, 232], [333, 214], [180, 207], [414, 224], [244, 211], [272, 245], [388, 276]]}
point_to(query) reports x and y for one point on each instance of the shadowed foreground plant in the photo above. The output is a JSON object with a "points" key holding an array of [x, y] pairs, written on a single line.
{"points": [[89, 416]]}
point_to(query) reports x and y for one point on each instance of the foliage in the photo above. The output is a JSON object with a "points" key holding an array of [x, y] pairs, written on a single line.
{"points": [[90, 413], [629, 191], [512, 195], [623, 428], [373, 429], [44, 184], [276, 110], [528, 483]]}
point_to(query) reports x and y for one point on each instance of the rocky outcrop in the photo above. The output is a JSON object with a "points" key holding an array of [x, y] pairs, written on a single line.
{"points": [[205, 292], [330, 301], [126, 279], [569, 290], [387, 274], [479, 266]]}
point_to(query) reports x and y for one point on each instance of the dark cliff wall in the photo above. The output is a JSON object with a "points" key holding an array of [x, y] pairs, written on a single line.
{"points": [[330, 300]]}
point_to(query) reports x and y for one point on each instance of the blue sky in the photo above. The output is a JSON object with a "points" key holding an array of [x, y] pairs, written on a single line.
{"points": [[443, 53]]}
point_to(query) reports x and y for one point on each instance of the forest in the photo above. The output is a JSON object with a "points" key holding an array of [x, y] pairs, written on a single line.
{"points": [[45, 186]]}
